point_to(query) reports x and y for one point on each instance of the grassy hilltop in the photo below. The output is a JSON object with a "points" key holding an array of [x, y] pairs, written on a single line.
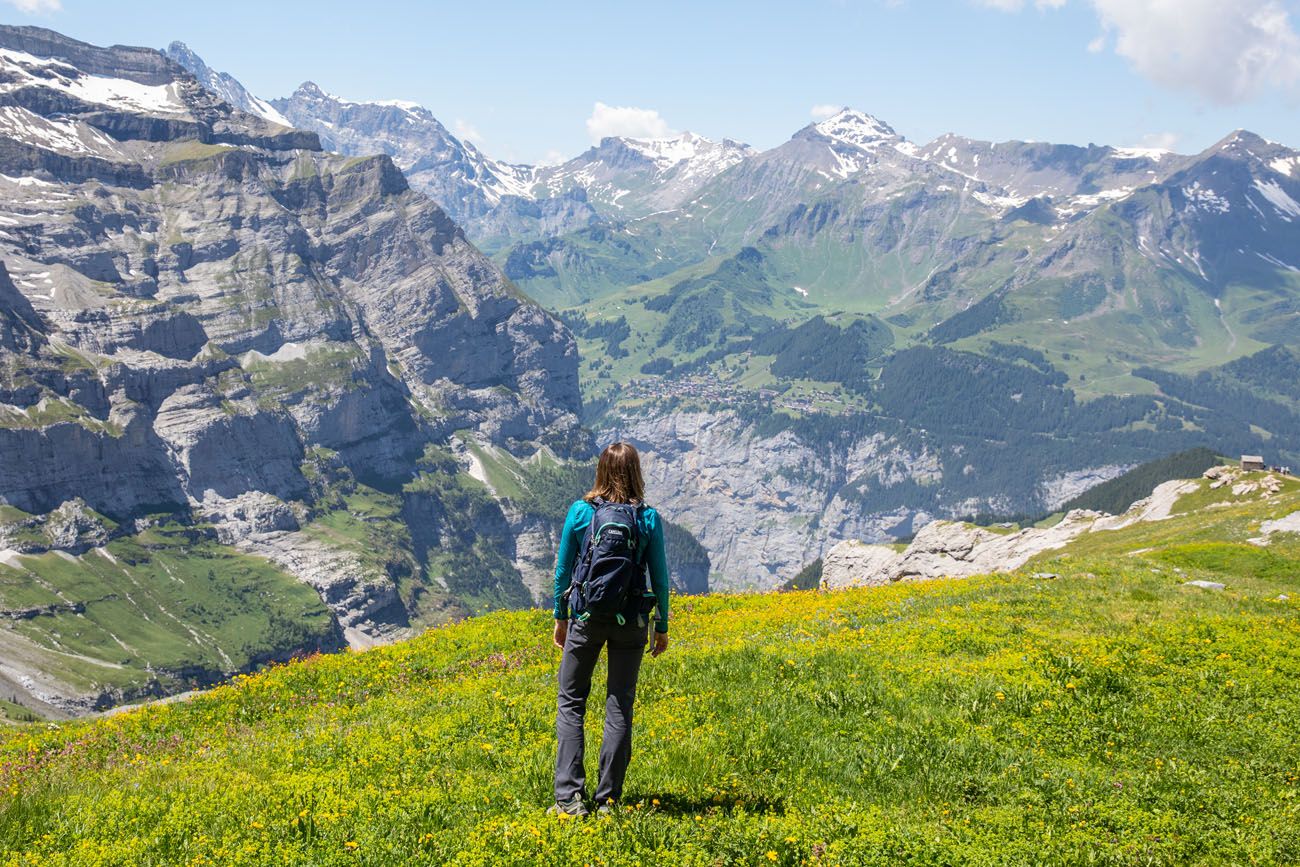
{"points": [[1107, 715]]}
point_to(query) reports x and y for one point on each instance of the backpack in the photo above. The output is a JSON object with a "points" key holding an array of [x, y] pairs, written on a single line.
{"points": [[609, 578]]}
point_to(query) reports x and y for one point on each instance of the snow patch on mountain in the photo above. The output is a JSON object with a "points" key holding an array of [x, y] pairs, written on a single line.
{"points": [[403, 104], [19, 70], [61, 136], [1279, 199], [1285, 166], [1273, 260], [699, 156], [1153, 154], [1205, 199], [1002, 203], [845, 164]]}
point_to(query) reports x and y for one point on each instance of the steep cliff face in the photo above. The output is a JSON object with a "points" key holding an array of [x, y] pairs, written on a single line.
{"points": [[204, 314], [764, 505]]}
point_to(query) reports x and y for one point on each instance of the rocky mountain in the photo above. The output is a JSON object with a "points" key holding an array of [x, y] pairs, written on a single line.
{"points": [[233, 362], [1028, 169], [466, 184], [1088, 270], [223, 84], [1199, 264], [688, 259], [498, 203], [634, 177]]}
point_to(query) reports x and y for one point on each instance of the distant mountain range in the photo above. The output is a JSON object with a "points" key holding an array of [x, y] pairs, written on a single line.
{"points": [[1149, 255], [1122, 303]]}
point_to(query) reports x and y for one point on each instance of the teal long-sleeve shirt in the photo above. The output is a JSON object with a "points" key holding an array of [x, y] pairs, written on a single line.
{"points": [[574, 534]]}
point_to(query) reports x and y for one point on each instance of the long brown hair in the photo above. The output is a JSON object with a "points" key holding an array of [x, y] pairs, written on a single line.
{"points": [[618, 476]]}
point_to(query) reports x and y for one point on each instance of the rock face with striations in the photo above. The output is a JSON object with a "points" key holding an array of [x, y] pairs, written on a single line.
{"points": [[762, 506], [203, 313]]}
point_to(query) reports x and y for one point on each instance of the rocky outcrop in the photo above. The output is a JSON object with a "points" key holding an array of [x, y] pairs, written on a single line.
{"points": [[71, 528], [852, 563], [366, 606], [1287, 524], [957, 550]]}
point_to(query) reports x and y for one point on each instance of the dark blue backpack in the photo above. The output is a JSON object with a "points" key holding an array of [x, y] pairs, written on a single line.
{"points": [[609, 578]]}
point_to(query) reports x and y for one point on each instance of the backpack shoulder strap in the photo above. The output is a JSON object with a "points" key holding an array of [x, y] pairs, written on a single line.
{"points": [[591, 528], [641, 541]]}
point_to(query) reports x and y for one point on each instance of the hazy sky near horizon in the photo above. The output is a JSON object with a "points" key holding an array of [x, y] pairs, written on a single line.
{"points": [[530, 82]]}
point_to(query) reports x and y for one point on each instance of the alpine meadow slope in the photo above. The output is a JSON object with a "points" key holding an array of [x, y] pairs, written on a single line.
{"points": [[1092, 706]]}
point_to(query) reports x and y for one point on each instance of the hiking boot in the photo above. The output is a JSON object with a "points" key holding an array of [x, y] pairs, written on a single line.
{"points": [[572, 808]]}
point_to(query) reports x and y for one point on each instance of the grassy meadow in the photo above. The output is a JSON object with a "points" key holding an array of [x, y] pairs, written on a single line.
{"points": [[1107, 715]]}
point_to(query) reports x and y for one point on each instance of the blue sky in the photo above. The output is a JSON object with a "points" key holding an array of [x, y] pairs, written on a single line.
{"points": [[523, 79]]}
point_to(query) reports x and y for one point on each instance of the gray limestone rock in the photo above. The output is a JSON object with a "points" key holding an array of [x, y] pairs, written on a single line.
{"points": [[856, 564], [196, 301]]}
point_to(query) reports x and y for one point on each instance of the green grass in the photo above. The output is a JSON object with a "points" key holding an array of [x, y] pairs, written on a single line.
{"points": [[1108, 716], [55, 410], [12, 712], [193, 151], [165, 604], [328, 367], [10, 514]]}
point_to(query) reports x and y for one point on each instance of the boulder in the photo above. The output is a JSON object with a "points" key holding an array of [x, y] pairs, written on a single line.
{"points": [[856, 564]]}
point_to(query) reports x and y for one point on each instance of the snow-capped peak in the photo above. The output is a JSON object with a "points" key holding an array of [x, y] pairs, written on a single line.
{"points": [[1140, 153], [404, 104], [313, 91], [857, 128], [668, 152]]}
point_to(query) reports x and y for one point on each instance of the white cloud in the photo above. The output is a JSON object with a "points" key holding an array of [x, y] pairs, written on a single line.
{"points": [[1225, 50], [466, 131], [627, 122], [552, 157], [824, 111], [37, 7], [1165, 141]]}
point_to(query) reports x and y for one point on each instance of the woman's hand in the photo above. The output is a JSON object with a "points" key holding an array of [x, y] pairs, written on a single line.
{"points": [[660, 645], [561, 633]]}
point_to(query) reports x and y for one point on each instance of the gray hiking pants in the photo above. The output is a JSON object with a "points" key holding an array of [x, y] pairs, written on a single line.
{"points": [[581, 649]]}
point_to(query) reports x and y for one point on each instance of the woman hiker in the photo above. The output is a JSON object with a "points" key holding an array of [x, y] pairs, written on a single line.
{"points": [[610, 540]]}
